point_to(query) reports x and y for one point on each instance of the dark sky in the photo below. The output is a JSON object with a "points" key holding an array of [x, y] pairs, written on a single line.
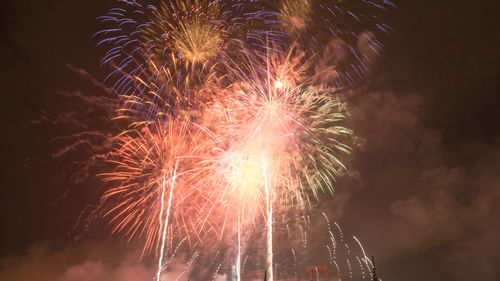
{"points": [[424, 186]]}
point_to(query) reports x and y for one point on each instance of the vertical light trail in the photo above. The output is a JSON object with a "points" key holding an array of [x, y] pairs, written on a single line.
{"points": [[238, 258], [161, 228], [365, 258], [165, 225], [269, 213]]}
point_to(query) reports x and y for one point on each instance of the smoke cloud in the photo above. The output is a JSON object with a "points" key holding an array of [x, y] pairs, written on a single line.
{"points": [[89, 262]]}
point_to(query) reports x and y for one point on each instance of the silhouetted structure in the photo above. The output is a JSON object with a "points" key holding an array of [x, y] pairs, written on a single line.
{"points": [[315, 272], [374, 271]]}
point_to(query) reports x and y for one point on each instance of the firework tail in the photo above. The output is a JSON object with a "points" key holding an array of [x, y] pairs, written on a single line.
{"points": [[238, 258], [165, 225], [269, 232]]}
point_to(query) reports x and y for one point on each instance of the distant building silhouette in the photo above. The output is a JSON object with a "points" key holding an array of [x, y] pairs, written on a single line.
{"points": [[315, 272], [374, 271]]}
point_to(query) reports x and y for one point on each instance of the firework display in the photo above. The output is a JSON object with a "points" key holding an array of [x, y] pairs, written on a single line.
{"points": [[231, 118], [152, 167], [338, 256], [345, 34]]}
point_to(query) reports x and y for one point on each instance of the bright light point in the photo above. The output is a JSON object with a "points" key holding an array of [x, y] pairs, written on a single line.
{"points": [[246, 172], [278, 84]]}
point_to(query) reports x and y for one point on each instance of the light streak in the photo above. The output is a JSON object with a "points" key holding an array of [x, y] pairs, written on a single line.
{"points": [[238, 258], [361, 247], [165, 225], [269, 228]]}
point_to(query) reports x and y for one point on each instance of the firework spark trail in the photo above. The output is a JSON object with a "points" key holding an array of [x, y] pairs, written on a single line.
{"points": [[267, 124], [145, 158], [238, 259], [346, 264], [266, 134], [165, 224], [269, 228], [162, 57], [165, 58], [347, 34]]}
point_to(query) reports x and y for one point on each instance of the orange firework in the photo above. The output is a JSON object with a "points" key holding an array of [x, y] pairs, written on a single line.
{"points": [[279, 140], [267, 140], [271, 114], [232, 112], [152, 196]]}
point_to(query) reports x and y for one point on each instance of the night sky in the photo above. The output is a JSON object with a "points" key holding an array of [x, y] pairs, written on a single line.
{"points": [[424, 183]]}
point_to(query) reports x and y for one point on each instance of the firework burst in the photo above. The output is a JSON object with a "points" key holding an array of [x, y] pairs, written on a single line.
{"points": [[295, 15], [231, 109], [150, 179], [163, 58], [194, 31], [346, 34], [271, 114]]}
